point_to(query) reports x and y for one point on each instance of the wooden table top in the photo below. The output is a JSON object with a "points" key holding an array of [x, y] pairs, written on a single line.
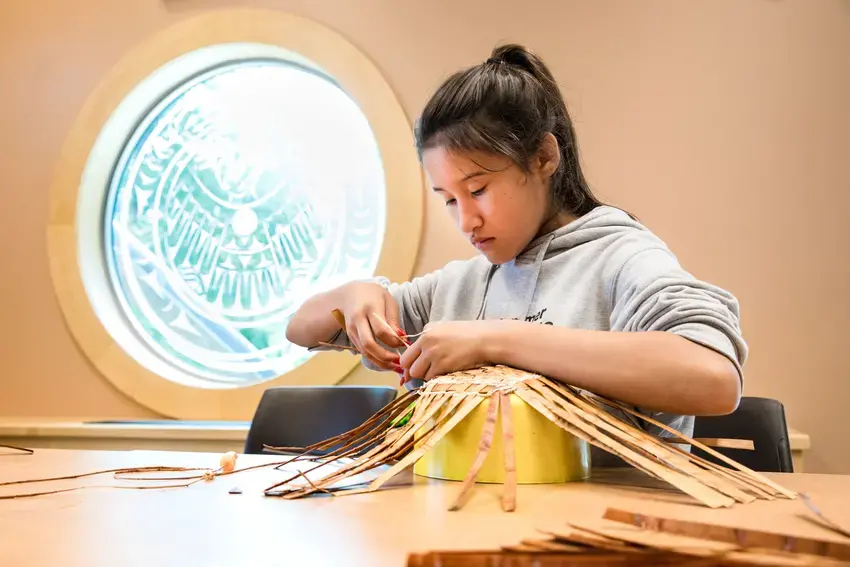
{"points": [[204, 525]]}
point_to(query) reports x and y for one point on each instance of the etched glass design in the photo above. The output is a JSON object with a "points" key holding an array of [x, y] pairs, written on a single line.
{"points": [[240, 194]]}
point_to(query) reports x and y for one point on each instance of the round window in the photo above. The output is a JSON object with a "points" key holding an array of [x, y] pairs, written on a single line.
{"points": [[241, 193], [226, 169]]}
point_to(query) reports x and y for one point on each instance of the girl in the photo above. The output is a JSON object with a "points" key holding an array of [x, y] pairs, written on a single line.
{"points": [[565, 286]]}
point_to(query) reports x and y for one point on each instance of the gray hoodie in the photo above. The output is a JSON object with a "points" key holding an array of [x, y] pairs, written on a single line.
{"points": [[603, 271]]}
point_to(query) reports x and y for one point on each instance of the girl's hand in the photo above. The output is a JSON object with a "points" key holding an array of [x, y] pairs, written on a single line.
{"points": [[447, 347], [371, 315]]}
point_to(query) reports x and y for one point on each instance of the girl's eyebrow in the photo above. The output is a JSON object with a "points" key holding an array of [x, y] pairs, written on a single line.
{"points": [[475, 174], [466, 177]]}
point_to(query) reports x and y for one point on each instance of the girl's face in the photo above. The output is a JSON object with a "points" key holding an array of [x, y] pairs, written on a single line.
{"points": [[494, 203]]}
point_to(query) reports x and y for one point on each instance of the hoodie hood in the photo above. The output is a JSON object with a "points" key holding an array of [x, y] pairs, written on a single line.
{"points": [[523, 273], [600, 222]]}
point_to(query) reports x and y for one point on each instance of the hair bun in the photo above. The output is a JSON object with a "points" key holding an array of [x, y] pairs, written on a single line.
{"points": [[513, 54], [520, 56]]}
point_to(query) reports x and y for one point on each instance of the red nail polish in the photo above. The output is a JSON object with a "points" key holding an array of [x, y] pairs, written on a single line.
{"points": [[398, 369], [402, 335]]}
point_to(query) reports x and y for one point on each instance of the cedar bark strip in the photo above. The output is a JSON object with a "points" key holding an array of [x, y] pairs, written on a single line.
{"points": [[552, 545], [646, 539], [599, 429], [742, 444], [763, 479], [466, 407], [593, 540], [553, 559], [741, 537], [823, 519], [487, 433], [340, 318], [733, 476], [640, 543], [338, 347], [659, 451], [743, 477], [537, 402], [509, 494], [383, 452], [373, 435]]}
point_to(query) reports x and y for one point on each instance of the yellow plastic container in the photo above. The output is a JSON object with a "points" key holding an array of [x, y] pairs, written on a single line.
{"points": [[545, 453]]}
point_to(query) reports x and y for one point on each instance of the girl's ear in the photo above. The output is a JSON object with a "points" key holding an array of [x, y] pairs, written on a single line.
{"points": [[548, 156]]}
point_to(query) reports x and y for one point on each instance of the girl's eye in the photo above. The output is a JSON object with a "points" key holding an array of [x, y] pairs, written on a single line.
{"points": [[450, 202], [479, 192]]}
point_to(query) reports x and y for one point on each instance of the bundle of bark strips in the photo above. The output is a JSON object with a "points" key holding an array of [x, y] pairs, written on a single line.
{"points": [[405, 430], [623, 537]]}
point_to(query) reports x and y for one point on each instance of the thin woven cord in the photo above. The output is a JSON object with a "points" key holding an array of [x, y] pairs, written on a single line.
{"points": [[17, 450]]}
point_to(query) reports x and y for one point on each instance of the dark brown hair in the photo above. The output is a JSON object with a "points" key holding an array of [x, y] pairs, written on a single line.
{"points": [[506, 106]]}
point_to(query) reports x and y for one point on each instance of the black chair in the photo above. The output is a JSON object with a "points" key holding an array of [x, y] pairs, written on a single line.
{"points": [[300, 416], [761, 420]]}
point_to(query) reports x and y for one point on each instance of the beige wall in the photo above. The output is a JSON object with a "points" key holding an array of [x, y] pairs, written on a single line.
{"points": [[723, 124]]}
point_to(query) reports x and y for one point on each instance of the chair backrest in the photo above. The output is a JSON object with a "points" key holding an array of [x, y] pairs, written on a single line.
{"points": [[300, 416], [761, 420]]}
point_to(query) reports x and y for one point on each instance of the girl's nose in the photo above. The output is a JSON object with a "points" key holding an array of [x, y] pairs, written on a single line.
{"points": [[468, 219]]}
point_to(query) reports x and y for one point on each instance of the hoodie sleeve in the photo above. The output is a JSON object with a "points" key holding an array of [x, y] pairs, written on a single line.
{"points": [[652, 292]]}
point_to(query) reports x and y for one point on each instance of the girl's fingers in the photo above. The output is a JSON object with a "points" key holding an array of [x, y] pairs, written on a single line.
{"points": [[393, 319], [353, 338], [420, 368], [415, 362], [384, 332], [407, 360], [435, 369], [380, 356], [410, 355]]}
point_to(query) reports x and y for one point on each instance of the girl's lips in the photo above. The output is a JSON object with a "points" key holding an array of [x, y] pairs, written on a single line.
{"points": [[483, 243]]}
